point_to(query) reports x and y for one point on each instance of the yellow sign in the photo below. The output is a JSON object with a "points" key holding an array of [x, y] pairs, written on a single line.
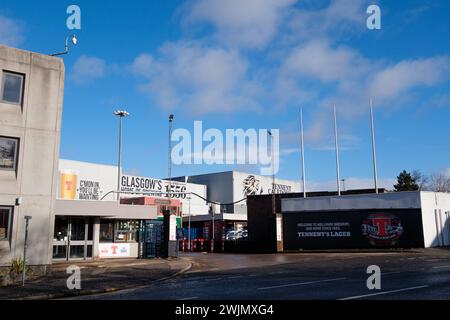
{"points": [[68, 186]]}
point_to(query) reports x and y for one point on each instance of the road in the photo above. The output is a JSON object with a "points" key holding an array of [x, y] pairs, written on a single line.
{"points": [[423, 274]]}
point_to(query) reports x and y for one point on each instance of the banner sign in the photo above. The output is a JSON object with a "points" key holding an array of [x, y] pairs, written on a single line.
{"points": [[173, 228], [73, 188], [353, 230], [154, 187], [114, 250]]}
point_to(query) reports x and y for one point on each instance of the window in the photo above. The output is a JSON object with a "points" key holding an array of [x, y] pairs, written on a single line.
{"points": [[106, 231], [5, 222], [119, 231], [12, 87], [126, 231], [8, 153]]}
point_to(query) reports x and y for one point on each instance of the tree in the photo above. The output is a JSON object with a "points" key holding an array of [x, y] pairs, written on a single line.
{"points": [[422, 180], [440, 182], [406, 182]]}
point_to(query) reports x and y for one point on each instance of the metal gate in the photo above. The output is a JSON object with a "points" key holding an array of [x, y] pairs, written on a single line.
{"points": [[154, 239]]}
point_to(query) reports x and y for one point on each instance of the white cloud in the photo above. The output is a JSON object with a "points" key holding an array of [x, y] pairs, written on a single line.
{"points": [[88, 68], [409, 74], [198, 78], [11, 32], [340, 17], [343, 76], [318, 60], [249, 23]]}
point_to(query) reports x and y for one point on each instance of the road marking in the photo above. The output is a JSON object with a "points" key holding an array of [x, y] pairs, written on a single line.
{"points": [[300, 283], [441, 267], [190, 298], [385, 292]]}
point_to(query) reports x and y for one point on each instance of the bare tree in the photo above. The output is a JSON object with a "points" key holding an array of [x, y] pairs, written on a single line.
{"points": [[440, 182], [422, 180]]}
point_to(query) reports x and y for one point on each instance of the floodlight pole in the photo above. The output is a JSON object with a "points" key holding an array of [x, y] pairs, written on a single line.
{"points": [[121, 114]]}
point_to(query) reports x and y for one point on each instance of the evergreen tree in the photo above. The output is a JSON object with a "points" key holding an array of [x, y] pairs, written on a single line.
{"points": [[406, 182]]}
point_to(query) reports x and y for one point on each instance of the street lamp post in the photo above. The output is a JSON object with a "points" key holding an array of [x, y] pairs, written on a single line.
{"points": [[121, 114], [189, 224], [169, 168], [73, 40], [25, 244]]}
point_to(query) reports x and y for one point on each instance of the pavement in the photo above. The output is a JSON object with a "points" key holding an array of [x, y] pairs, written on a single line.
{"points": [[97, 277], [405, 275]]}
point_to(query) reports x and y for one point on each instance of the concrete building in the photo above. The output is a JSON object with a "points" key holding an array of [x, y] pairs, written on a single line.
{"points": [[90, 223], [227, 219], [31, 97], [351, 221]]}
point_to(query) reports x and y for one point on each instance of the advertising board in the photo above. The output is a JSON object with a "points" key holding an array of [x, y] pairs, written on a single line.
{"points": [[353, 229]]}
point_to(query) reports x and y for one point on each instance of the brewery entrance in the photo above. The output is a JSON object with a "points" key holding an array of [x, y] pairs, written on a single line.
{"points": [[73, 238]]}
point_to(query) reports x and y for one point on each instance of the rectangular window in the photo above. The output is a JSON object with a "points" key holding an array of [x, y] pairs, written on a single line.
{"points": [[126, 231], [5, 222], [106, 231], [8, 153], [12, 87]]}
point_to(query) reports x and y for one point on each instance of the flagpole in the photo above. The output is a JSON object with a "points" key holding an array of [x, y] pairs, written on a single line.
{"points": [[374, 154], [303, 153], [338, 174]]}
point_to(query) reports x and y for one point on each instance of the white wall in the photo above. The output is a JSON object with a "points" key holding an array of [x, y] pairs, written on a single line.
{"points": [[244, 184], [393, 200], [436, 225], [37, 123], [106, 177]]}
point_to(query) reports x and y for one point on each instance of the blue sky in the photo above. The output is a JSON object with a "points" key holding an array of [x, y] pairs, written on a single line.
{"points": [[251, 64]]}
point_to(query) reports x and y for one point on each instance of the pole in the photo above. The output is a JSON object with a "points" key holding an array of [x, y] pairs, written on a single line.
{"points": [[303, 153], [171, 117], [119, 169], [213, 231], [273, 173], [25, 243], [338, 174], [374, 154], [189, 224]]}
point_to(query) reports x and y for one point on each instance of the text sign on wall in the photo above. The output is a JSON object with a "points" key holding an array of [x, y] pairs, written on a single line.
{"points": [[153, 187], [279, 229], [173, 228], [353, 229], [114, 250]]}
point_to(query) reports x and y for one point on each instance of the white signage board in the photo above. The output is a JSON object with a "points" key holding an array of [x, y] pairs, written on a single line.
{"points": [[135, 186], [279, 229], [173, 228], [249, 184], [114, 250]]}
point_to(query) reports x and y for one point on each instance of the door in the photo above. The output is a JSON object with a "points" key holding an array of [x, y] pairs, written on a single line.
{"points": [[73, 238], [153, 239], [61, 238], [80, 238]]}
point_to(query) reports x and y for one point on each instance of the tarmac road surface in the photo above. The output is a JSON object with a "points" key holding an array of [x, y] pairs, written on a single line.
{"points": [[422, 274]]}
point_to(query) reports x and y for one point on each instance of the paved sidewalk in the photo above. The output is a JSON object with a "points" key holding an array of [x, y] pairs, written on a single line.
{"points": [[98, 277]]}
